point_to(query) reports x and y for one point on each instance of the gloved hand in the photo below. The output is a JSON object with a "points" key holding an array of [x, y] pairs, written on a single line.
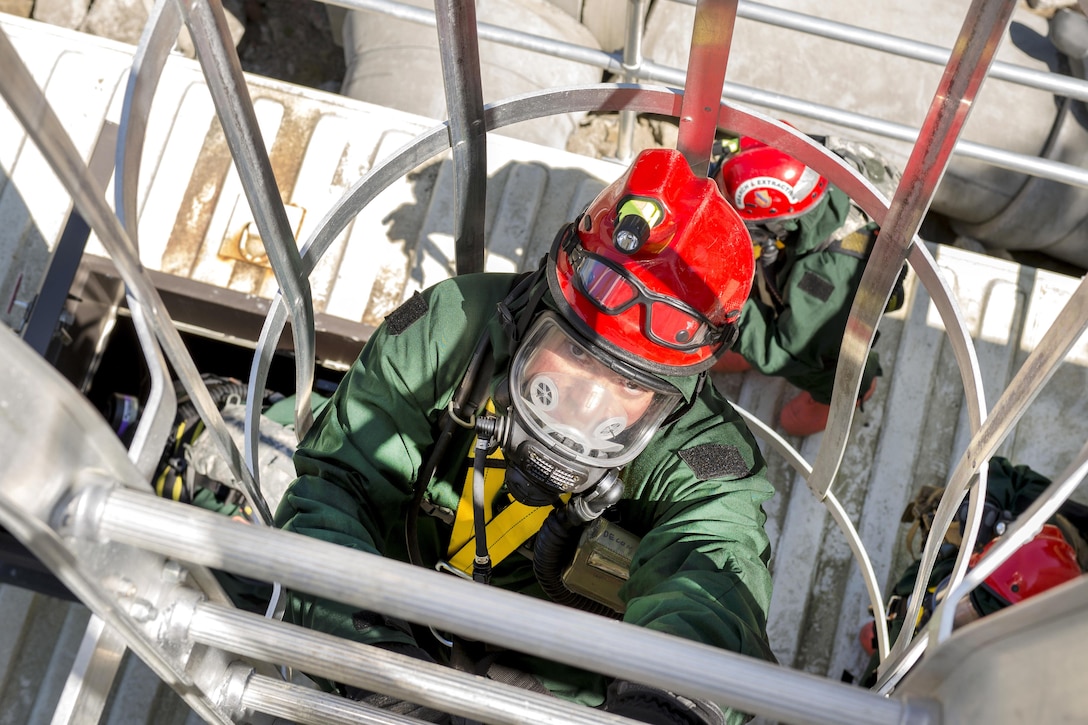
{"points": [[660, 707], [394, 704]]}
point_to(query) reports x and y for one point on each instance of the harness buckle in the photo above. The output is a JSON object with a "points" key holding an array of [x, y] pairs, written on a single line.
{"points": [[470, 423], [445, 566]]}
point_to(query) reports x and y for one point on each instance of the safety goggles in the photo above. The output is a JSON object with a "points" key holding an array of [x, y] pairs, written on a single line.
{"points": [[667, 321]]}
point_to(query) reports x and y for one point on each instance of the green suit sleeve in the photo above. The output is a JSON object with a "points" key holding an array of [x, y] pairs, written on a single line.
{"points": [[700, 570], [357, 465], [802, 343]]}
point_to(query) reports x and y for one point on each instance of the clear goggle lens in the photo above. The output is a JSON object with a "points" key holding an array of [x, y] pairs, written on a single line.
{"points": [[668, 322]]}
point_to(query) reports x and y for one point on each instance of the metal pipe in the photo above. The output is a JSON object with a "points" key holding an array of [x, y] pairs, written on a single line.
{"points": [[313, 707], [632, 61], [451, 604], [377, 670], [486, 31], [777, 103], [1056, 83]]}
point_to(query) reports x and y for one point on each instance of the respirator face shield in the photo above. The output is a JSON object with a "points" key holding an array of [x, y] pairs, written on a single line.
{"points": [[575, 411]]}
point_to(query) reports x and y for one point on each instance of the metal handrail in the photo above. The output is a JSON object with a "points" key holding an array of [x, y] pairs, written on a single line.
{"points": [[1056, 83], [648, 71], [451, 604]]}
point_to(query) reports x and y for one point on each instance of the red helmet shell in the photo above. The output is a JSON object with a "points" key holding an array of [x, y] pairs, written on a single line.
{"points": [[764, 184], [698, 252], [1044, 562]]}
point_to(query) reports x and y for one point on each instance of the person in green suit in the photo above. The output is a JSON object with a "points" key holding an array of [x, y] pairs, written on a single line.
{"points": [[1057, 553], [811, 245], [571, 399]]}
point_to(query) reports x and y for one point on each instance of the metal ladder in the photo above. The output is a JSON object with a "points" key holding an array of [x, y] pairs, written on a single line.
{"points": [[80, 502]]}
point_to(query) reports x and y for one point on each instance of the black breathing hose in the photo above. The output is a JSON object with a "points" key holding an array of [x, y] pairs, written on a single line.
{"points": [[555, 544], [467, 397]]}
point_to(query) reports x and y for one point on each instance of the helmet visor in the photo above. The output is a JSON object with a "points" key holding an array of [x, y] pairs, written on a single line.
{"points": [[667, 321], [579, 402]]}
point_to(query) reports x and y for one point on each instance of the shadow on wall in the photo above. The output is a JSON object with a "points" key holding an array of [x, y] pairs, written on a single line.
{"points": [[527, 204], [24, 256]]}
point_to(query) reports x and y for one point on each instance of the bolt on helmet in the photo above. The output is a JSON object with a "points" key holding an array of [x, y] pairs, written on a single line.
{"points": [[765, 184], [657, 268]]}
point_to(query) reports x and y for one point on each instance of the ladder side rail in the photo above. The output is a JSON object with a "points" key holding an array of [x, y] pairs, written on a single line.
{"points": [[459, 50], [54, 445], [120, 614], [450, 604], [222, 70]]}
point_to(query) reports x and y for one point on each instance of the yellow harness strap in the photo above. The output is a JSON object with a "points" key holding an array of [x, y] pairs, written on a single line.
{"points": [[511, 528]]}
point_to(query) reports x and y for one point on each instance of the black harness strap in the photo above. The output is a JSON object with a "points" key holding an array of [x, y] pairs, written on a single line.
{"points": [[471, 394]]}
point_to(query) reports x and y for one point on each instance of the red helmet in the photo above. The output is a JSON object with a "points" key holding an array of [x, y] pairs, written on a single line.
{"points": [[765, 184], [1044, 562], [657, 268]]}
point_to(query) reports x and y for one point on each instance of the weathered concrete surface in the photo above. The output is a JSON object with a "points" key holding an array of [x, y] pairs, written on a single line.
{"points": [[65, 13], [18, 8]]}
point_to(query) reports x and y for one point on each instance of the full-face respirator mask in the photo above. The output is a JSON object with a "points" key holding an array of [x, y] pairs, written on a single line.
{"points": [[573, 414]]}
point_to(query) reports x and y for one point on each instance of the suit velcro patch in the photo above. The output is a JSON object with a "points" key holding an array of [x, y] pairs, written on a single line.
{"points": [[816, 285], [713, 460], [406, 315]]}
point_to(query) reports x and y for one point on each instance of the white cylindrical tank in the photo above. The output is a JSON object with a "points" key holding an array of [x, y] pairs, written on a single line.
{"points": [[396, 63]]}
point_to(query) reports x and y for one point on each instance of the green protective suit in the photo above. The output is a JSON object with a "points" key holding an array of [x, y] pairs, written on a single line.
{"points": [[694, 495], [1010, 489], [800, 341]]}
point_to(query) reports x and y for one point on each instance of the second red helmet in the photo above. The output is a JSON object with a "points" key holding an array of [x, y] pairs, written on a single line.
{"points": [[1042, 563], [765, 184]]}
